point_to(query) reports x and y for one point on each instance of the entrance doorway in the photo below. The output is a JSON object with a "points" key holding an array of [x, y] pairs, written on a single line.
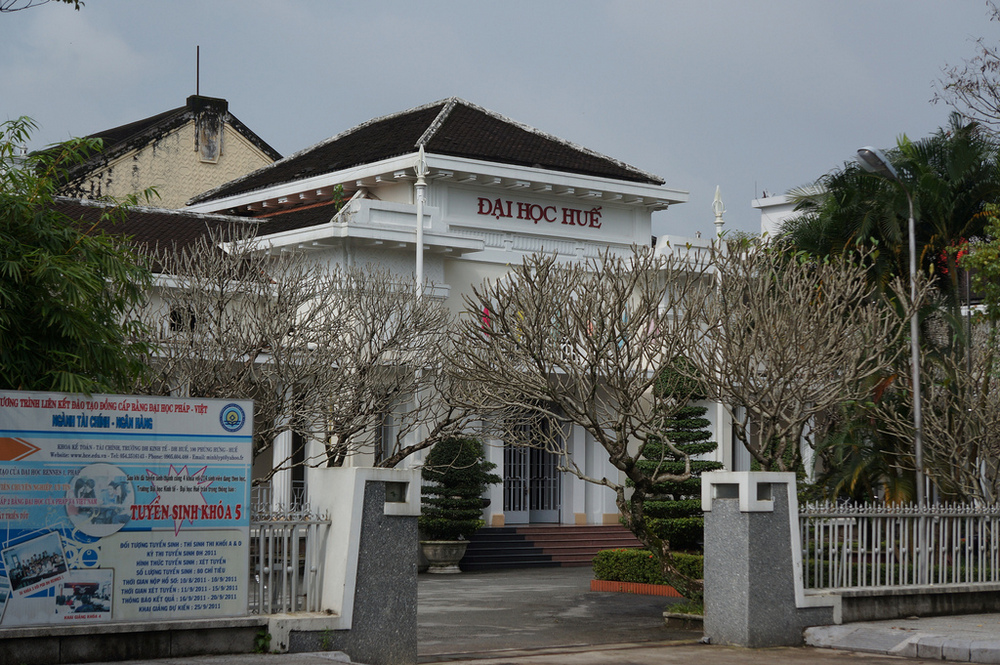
{"points": [[531, 487]]}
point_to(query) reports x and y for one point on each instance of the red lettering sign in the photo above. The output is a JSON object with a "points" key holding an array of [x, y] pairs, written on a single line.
{"points": [[535, 213]]}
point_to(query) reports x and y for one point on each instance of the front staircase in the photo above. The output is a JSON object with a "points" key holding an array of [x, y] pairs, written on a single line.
{"points": [[538, 546]]}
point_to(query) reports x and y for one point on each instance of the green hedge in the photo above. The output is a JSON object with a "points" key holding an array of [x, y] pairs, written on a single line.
{"points": [[632, 565]]}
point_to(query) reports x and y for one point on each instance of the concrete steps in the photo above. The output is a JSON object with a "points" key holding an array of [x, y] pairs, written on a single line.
{"points": [[539, 546]]}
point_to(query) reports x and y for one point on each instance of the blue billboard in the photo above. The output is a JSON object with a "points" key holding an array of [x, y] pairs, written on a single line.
{"points": [[122, 508]]}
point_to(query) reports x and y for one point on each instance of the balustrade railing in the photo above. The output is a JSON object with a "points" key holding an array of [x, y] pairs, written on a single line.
{"points": [[286, 556], [876, 545]]}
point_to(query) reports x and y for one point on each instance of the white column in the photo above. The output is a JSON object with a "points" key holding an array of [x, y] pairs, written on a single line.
{"points": [[281, 482], [494, 515], [723, 437], [574, 488], [596, 460]]}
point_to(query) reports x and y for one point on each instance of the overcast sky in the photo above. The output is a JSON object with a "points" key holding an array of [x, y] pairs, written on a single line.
{"points": [[748, 95]]}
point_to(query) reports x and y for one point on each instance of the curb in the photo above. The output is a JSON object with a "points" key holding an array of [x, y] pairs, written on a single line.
{"points": [[639, 588]]}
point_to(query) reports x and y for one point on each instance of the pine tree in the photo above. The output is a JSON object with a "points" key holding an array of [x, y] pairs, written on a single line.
{"points": [[674, 513]]}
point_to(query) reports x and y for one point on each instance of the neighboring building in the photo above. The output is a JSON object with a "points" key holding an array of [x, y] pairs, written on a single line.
{"points": [[181, 152], [774, 210], [496, 191]]}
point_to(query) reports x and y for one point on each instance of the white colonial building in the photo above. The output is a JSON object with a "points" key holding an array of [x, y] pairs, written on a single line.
{"points": [[454, 193]]}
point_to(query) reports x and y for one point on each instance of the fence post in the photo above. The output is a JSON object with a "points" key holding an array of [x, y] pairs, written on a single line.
{"points": [[754, 595]]}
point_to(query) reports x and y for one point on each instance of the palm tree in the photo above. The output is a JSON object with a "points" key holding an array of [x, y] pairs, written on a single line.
{"points": [[952, 175]]}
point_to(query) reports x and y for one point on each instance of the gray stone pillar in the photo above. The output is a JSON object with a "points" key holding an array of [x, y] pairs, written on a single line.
{"points": [[753, 562], [369, 568]]}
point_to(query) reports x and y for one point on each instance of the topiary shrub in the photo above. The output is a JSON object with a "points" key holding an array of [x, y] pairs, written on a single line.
{"points": [[456, 474], [673, 512], [633, 565]]}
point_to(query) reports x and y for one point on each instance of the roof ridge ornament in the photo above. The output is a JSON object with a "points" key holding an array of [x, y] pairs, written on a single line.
{"points": [[420, 168], [433, 128]]}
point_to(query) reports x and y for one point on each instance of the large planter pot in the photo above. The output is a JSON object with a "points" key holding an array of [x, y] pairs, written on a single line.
{"points": [[443, 555]]}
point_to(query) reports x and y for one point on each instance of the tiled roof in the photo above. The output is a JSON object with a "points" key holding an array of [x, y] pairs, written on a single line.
{"points": [[452, 127], [150, 228], [122, 139], [297, 218], [469, 131], [117, 135]]}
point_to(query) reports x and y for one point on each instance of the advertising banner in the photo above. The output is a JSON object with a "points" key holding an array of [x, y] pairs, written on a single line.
{"points": [[122, 508]]}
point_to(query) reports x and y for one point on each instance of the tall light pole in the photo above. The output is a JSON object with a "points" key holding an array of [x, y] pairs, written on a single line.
{"points": [[420, 168], [873, 160]]}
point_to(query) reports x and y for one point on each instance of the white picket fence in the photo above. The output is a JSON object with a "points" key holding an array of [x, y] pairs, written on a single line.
{"points": [[286, 554], [878, 545]]}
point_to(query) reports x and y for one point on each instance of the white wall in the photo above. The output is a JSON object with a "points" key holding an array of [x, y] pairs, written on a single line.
{"points": [[774, 210]]}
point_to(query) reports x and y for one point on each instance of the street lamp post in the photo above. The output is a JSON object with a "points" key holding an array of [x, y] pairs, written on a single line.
{"points": [[420, 169], [874, 161]]}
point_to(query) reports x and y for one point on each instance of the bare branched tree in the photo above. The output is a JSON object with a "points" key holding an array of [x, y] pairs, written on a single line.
{"points": [[973, 87], [579, 343], [789, 338], [18, 5], [961, 417], [392, 388], [325, 352]]}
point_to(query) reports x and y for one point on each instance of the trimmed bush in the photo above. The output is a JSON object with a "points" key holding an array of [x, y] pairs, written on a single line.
{"points": [[674, 512], [457, 475], [634, 565]]}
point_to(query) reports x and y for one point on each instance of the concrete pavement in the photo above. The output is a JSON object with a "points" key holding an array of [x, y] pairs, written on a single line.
{"points": [[550, 617], [968, 638], [481, 612], [624, 654]]}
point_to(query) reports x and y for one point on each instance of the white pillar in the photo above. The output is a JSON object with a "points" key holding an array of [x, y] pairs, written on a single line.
{"points": [[494, 514], [281, 482], [723, 437], [421, 170], [575, 489]]}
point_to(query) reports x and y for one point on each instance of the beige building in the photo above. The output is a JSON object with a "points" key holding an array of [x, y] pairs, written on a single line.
{"points": [[181, 152]]}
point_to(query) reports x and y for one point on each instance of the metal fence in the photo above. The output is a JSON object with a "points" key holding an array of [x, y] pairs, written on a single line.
{"points": [[875, 545], [263, 494], [286, 550]]}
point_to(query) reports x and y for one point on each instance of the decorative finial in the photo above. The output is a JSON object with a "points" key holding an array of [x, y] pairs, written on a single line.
{"points": [[420, 168], [719, 208]]}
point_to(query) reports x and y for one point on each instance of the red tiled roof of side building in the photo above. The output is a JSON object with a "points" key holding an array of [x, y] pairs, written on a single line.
{"points": [[151, 228]]}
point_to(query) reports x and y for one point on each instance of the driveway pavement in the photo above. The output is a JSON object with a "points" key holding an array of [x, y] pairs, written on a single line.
{"points": [[479, 612], [550, 617]]}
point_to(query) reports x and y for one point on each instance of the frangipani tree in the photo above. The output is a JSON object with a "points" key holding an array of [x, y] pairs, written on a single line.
{"points": [[326, 352], [788, 338], [961, 418], [579, 343]]}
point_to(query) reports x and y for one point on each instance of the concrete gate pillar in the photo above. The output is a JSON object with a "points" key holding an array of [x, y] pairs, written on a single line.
{"points": [[369, 568], [753, 562]]}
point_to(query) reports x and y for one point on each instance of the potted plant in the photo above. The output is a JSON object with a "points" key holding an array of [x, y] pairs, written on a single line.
{"points": [[456, 474]]}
